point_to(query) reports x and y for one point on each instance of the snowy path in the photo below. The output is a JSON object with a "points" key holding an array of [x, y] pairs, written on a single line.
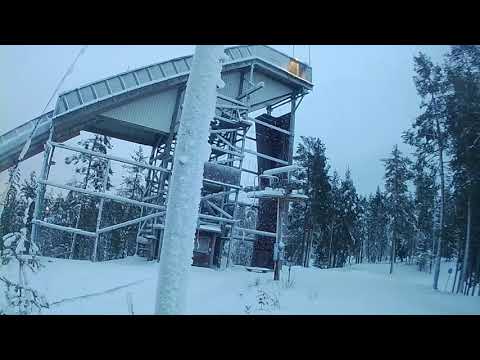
{"points": [[358, 289]]}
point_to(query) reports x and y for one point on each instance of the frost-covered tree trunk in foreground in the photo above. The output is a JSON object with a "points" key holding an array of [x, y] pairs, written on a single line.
{"points": [[192, 150]]}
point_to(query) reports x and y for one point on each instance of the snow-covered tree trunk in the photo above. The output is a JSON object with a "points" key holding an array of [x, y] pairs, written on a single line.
{"points": [[192, 150], [463, 274], [364, 249], [438, 257], [391, 236]]}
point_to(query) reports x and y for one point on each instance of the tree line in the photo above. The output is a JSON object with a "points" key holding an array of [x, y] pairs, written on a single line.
{"points": [[79, 210], [438, 219]]}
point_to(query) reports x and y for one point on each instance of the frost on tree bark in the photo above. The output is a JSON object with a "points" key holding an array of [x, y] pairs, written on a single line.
{"points": [[438, 258], [192, 150], [463, 273]]}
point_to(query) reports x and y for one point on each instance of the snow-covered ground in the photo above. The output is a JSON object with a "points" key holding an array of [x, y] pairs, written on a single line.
{"points": [[356, 289]]}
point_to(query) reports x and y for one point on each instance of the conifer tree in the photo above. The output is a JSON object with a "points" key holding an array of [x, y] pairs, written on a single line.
{"points": [[311, 156], [428, 133], [397, 173], [463, 125], [93, 170], [11, 219]]}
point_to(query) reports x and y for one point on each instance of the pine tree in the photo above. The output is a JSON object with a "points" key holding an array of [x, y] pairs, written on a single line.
{"points": [[11, 219], [58, 210], [243, 249], [132, 184], [376, 223], [360, 230], [397, 173], [349, 216], [425, 193], [92, 167], [132, 187], [428, 133], [18, 259], [93, 170], [296, 236], [28, 191], [334, 218], [311, 156], [463, 125]]}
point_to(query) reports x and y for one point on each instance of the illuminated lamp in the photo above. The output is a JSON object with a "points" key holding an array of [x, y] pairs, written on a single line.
{"points": [[294, 67]]}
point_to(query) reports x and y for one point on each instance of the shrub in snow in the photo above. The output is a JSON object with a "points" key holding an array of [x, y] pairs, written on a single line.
{"points": [[261, 300], [18, 259], [267, 301], [424, 260], [290, 281]]}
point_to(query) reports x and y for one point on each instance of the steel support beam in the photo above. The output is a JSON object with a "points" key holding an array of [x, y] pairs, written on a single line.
{"points": [[64, 228], [101, 195], [280, 161], [105, 156], [130, 222]]}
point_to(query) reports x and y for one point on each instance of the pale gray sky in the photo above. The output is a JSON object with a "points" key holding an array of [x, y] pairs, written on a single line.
{"points": [[364, 96]]}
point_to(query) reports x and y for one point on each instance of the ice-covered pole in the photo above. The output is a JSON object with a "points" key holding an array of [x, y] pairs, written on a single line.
{"points": [[191, 152]]}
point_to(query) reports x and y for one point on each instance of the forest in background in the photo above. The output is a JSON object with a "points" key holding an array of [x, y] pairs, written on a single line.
{"points": [[428, 210]]}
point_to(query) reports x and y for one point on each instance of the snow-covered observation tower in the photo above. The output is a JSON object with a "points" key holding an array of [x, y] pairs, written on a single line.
{"points": [[143, 106]]}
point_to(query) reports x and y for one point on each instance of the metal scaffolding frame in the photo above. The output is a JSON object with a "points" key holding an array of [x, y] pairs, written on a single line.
{"points": [[43, 182], [228, 135]]}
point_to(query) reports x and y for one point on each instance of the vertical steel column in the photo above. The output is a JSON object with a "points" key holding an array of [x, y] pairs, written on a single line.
{"points": [[37, 214], [167, 158], [149, 180], [292, 129], [235, 206], [283, 205], [277, 263], [100, 210]]}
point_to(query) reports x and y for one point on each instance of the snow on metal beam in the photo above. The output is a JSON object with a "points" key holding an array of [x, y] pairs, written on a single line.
{"points": [[64, 228], [106, 196], [280, 161], [130, 222], [219, 131], [269, 126], [222, 193], [220, 210], [257, 232], [227, 151], [222, 184], [216, 218], [106, 156], [283, 169]]}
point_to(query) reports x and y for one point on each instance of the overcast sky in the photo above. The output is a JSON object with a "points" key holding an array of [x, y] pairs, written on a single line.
{"points": [[364, 96]]}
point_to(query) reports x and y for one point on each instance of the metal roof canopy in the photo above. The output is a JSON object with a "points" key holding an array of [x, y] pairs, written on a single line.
{"points": [[97, 107]]}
